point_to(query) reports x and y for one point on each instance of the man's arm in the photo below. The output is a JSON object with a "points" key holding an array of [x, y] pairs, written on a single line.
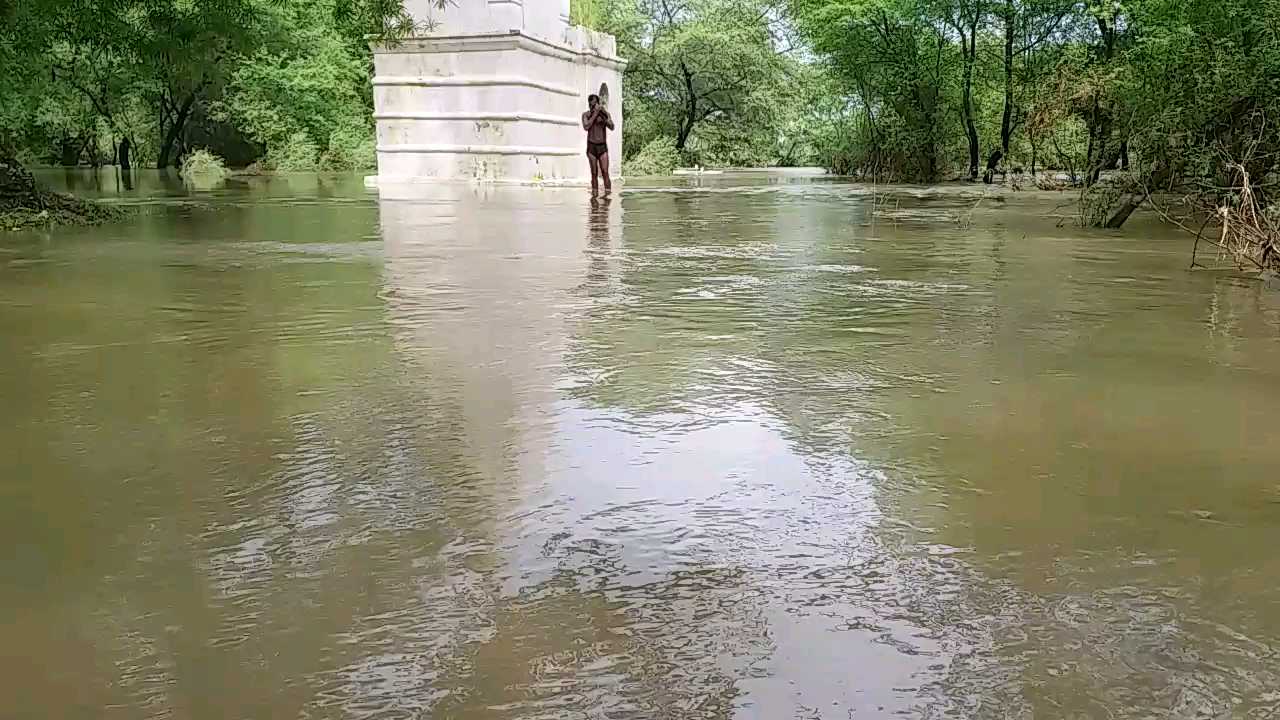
{"points": [[588, 117], [608, 119]]}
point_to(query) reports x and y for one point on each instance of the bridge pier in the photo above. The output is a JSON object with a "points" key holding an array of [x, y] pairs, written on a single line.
{"points": [[492, 91]]}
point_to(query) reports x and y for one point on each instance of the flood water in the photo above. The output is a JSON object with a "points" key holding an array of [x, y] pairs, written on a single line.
{"points": [[734, 449]]}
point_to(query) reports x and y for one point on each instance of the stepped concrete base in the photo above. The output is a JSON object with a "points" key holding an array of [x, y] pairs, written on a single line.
{"points": [[493, 106]]}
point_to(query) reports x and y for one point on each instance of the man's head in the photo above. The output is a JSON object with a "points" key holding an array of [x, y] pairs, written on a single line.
{"points": [[593, 101]]}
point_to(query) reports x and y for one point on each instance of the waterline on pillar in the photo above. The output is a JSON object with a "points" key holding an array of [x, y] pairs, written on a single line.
{"points": [[377, 182]]}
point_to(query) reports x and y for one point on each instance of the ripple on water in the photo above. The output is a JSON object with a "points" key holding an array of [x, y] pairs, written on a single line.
{"points": [[702, 453]]}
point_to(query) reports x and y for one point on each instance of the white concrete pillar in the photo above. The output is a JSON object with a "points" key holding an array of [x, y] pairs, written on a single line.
{"points": [[493, 92]]}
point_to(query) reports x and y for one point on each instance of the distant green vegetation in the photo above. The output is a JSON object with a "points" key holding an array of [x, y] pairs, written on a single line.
{"points": [[658, 157], [715, 78], [1122, 97], [145, 82], [585, 13]]}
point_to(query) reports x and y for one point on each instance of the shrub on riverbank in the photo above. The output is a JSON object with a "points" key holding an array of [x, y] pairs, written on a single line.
{"points": [[296, 154], [24, 204], [56, 209], [351, 147], [659, 157]]}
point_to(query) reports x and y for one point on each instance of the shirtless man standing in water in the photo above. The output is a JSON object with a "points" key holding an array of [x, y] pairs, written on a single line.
{"points": [[596, 122]]}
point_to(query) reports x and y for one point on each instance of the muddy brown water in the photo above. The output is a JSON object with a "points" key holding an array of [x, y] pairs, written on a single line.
{"points": [[740, 448]]}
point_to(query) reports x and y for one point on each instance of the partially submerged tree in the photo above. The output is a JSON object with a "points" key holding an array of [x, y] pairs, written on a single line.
{"points": [[1193, 96], [895, 60], [306, 98], [119, 54], [697, 62]]}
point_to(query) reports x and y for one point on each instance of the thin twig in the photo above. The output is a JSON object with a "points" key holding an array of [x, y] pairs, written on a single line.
{"points": [[1196, 246]]}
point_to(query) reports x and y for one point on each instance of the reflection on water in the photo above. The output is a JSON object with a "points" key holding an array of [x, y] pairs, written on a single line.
{"points": [[743, 450]]}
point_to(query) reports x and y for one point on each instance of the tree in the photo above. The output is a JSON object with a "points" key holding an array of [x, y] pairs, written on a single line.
{"points": [[695, 61], [182, 52], [171, 55], [895, 61], [1199, 88], [1027, 26], [967, 18], [306, 99], [139, 79]]}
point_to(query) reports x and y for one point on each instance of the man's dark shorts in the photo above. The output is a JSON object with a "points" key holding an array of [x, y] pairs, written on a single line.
{"points": [[595, 150]]}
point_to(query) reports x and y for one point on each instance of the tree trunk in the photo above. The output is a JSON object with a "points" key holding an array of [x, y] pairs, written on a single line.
{"points": [[1101, 156], [69, 151], [95, 158], [931, 162], [1104, 157], [164, 160], [126, 163], [993, 165], [175, 132], [691, 110], [970, 128], [1128, 204], [1161, 175], [686, 129], [1006, 122]]}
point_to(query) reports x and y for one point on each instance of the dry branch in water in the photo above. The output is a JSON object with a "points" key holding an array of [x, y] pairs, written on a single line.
{"points": [[1250, 230], [1246, 229]]}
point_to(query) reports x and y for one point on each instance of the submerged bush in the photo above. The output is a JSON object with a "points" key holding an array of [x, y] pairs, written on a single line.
{"points": [[1249, 229], [887, 152], [659, 157], [296, 154], [351, 147], [203, 168]]}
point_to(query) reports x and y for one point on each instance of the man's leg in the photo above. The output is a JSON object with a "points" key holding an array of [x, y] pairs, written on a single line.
{"points": [[595, 173], [604, 170]]}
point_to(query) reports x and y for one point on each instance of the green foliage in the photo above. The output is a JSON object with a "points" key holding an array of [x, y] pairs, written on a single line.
{"points": [[704, 72], [351, 147], [83, 79], [307, 97], [202, 168], [1200, 85], [385, 19], [852, 145], [658, 157], [899, 70], [296, 153], [585, 13], [1182, 89]]}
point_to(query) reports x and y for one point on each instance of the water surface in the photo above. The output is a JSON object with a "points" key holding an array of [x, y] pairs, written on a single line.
{"points": [[742, 448]]}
